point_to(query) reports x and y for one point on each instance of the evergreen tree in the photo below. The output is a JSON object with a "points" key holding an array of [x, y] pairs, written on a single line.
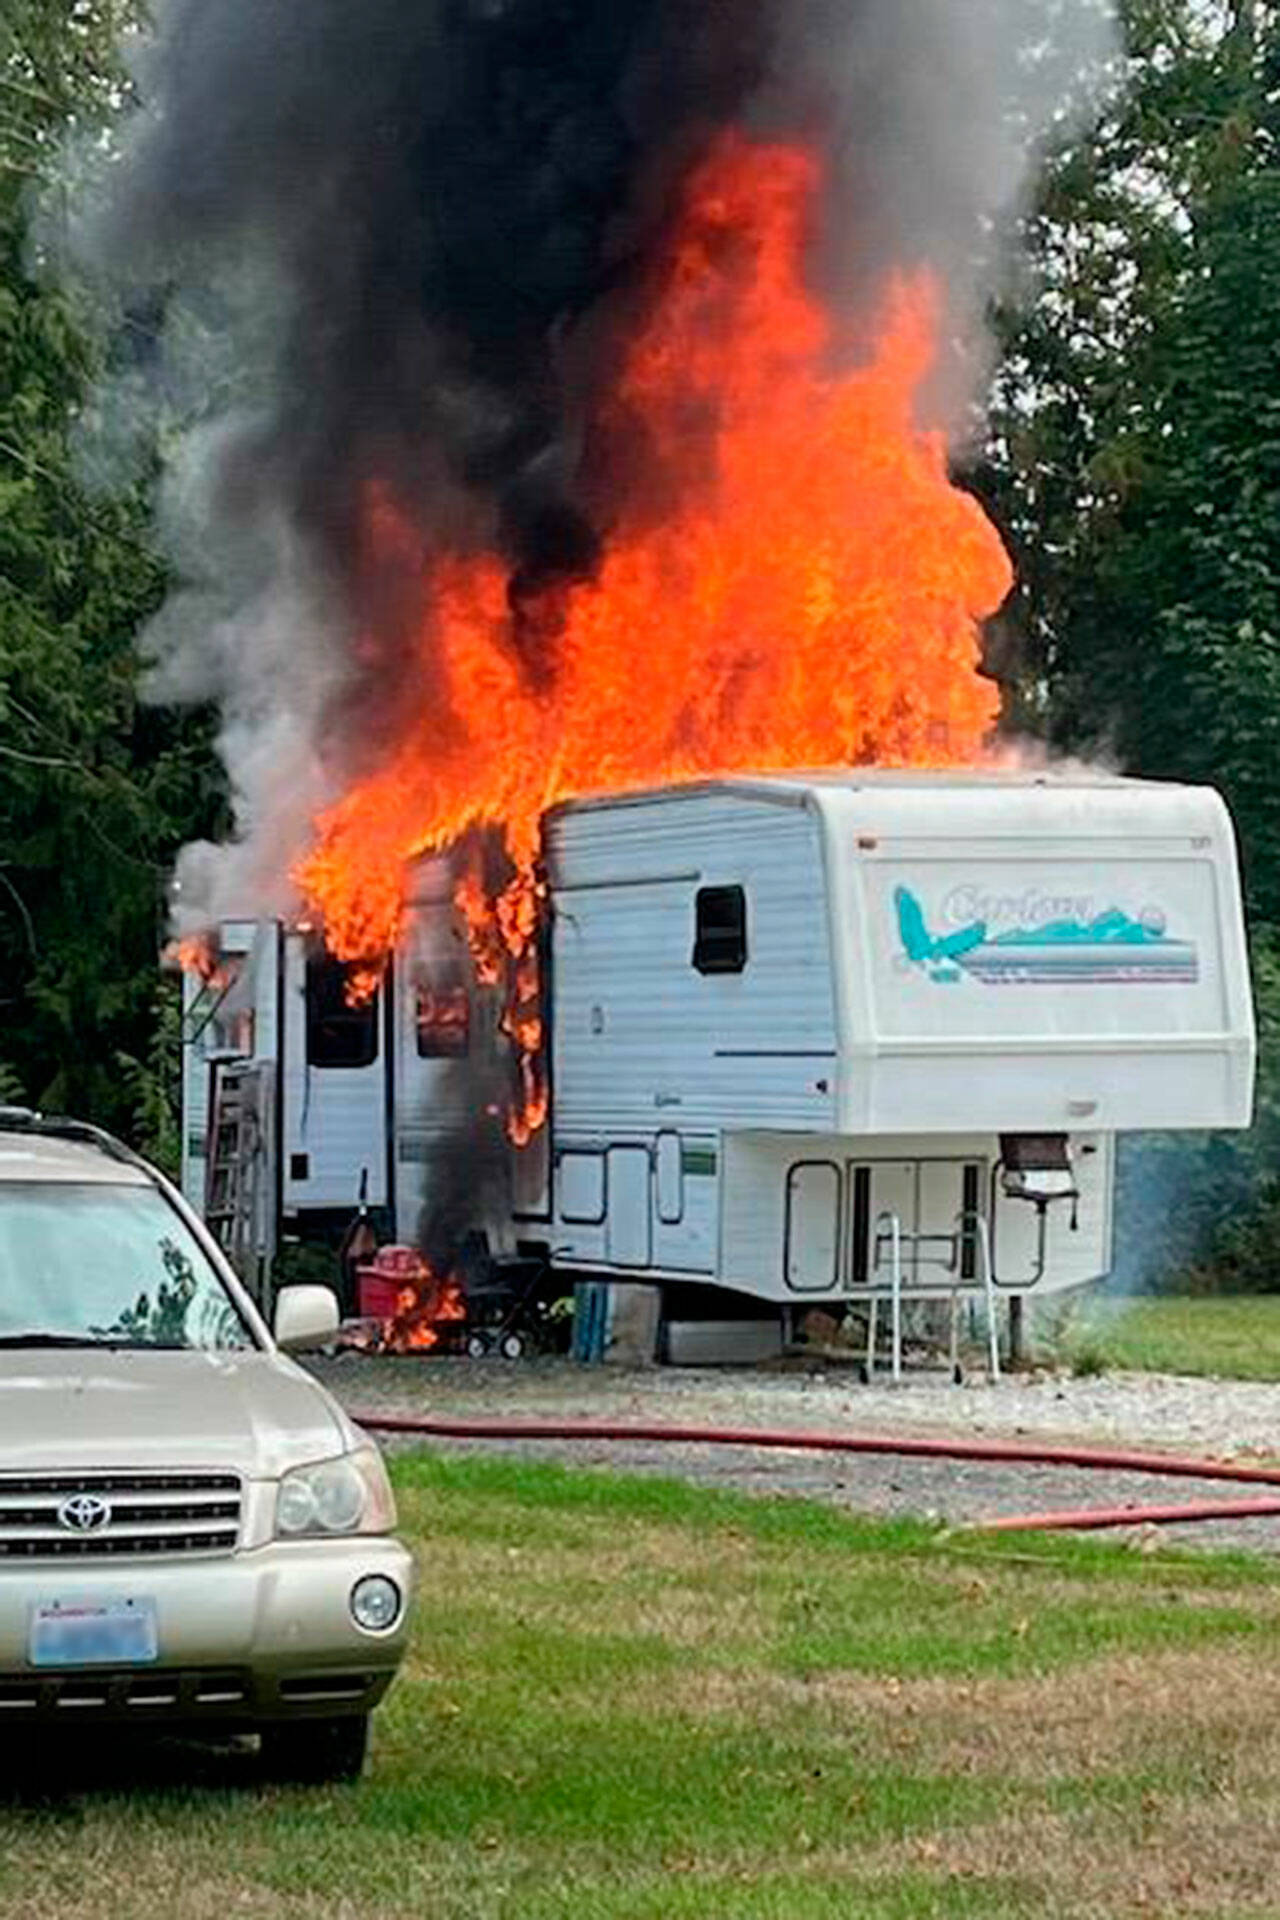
{"points": [[97, 791]]}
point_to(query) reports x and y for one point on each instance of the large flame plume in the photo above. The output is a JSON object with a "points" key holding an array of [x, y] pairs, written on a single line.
{"points": [[797, 582]]}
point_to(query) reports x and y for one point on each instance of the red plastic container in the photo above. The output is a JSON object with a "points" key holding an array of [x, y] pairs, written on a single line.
{"points": [[382, 1281]]}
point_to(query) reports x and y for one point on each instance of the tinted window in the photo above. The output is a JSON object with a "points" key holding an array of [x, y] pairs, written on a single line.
{"points": [[720, 945], [338, 1033], [100, 1263]]}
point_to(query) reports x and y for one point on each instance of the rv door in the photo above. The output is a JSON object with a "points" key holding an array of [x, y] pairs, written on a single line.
{"points": [[335, 1086]]}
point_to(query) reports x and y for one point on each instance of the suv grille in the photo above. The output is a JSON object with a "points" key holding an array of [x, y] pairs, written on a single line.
{"points": [[149, 1513]]}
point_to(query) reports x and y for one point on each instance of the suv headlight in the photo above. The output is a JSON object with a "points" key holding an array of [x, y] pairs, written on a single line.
{"points": [[348, 1495]]}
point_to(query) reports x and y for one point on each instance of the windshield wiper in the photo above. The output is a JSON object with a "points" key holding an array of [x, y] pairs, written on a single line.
{"points": [[37, 1338]]}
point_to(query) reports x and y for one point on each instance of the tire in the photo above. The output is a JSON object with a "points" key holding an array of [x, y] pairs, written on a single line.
{"points": [[312, 1752], [477, 1346], [512, 1346]]}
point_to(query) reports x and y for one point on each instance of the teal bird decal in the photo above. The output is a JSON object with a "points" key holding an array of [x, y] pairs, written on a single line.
{"points": [[924, 947]]}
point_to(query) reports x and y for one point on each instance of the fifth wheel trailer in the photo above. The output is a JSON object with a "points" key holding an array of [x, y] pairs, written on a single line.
{"points": [[800, 1029]]}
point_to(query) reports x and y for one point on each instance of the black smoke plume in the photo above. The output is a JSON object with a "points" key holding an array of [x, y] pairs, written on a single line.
{"points": [[360, 249]]}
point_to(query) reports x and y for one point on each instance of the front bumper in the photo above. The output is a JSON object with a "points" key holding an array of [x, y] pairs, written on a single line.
{"points": [[260, 1635]]}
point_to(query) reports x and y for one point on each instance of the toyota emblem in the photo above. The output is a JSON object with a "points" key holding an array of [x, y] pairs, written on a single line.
{"points": [[84, 1513]]}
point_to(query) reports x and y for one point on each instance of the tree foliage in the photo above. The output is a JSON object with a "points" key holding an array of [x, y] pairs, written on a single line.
{"points": [[1137, 424], [97, 790], [1135, 461]]}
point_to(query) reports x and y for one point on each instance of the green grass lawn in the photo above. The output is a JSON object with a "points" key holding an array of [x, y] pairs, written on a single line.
{"points": [[633, 1700], [1234, 1338]]}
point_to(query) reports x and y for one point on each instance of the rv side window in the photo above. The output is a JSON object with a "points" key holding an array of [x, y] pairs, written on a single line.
{"points": [[721, 942], [442, 1018], [338, 1034]]}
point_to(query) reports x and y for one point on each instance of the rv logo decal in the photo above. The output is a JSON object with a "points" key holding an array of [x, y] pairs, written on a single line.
{"points": [[1110, 948]]}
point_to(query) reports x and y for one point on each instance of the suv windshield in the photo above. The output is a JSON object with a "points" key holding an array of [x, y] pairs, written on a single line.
{"points": [[98, 1265]]}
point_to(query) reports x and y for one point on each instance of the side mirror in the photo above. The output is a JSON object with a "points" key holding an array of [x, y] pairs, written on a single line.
{"points": [[305, 1316]]}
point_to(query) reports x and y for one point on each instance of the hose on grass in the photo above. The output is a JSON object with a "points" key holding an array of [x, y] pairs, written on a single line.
{"points": [[993, 1452]]}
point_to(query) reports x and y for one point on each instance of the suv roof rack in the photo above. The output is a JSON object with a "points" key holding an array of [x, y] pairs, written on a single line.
{"points": [[59, 1127]]}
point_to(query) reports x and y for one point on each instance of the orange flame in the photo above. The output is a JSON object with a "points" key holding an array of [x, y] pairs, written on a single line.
{"points": [[502, 935], [198, 955], [421, 1311], [797, 584], [424, 1304]]}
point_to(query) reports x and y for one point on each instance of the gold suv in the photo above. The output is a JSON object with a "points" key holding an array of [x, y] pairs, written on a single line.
{"points": [[193, 1535]]}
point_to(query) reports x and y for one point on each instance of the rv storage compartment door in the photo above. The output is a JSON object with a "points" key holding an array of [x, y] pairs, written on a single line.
{"points": [[627, 1236], [813, 1227], [669, 1179], [582, 1197]]}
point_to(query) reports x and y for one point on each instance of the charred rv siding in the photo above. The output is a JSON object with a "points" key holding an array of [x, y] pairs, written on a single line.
{"points": [[441, 1040]]}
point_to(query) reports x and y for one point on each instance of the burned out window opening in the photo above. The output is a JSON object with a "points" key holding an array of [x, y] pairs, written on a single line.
{"points": [[220, 1015], [442, 1015], [339, 1034], [720, 942]]}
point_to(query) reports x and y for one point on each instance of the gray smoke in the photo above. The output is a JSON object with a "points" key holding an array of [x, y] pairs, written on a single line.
{"points": [[351, 249]]}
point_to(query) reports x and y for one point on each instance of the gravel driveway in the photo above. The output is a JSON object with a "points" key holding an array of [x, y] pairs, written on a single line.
{"points": [[1216, 1419]]}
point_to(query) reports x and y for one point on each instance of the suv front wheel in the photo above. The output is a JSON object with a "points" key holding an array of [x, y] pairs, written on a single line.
{"points": [[308, 1752]]}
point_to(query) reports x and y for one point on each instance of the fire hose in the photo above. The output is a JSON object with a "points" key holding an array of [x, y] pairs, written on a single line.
{"points": [[990, 1452]]}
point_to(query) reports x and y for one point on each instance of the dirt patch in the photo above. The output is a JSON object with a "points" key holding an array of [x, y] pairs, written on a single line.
{"points": [[1171, 1855], [1215, 1712], [108, 1896]]}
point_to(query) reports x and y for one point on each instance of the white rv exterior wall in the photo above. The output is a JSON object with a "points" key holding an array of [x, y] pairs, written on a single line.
{"points": [[1037, 1028], [919, 1181], [682, 1102], [652, 1059], [642, 1041], [1031, 1026], [1100, 982]]}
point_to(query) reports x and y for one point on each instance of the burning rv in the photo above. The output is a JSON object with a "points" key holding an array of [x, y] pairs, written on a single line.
{"points": [[798, 1028]]}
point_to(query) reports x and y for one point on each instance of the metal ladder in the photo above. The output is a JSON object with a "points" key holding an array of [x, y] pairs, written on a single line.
{"points": [[238, 1167], [971, 1228]]}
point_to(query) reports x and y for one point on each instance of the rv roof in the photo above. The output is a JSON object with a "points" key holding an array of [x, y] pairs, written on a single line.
{"points": [[790, 786]]}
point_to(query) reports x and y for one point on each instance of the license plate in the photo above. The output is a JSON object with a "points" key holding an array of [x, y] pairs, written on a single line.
{"points": [[81, 1631]]}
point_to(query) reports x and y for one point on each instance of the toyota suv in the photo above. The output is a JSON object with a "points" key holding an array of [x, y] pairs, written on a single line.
{"points": [[193, 1535]]}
